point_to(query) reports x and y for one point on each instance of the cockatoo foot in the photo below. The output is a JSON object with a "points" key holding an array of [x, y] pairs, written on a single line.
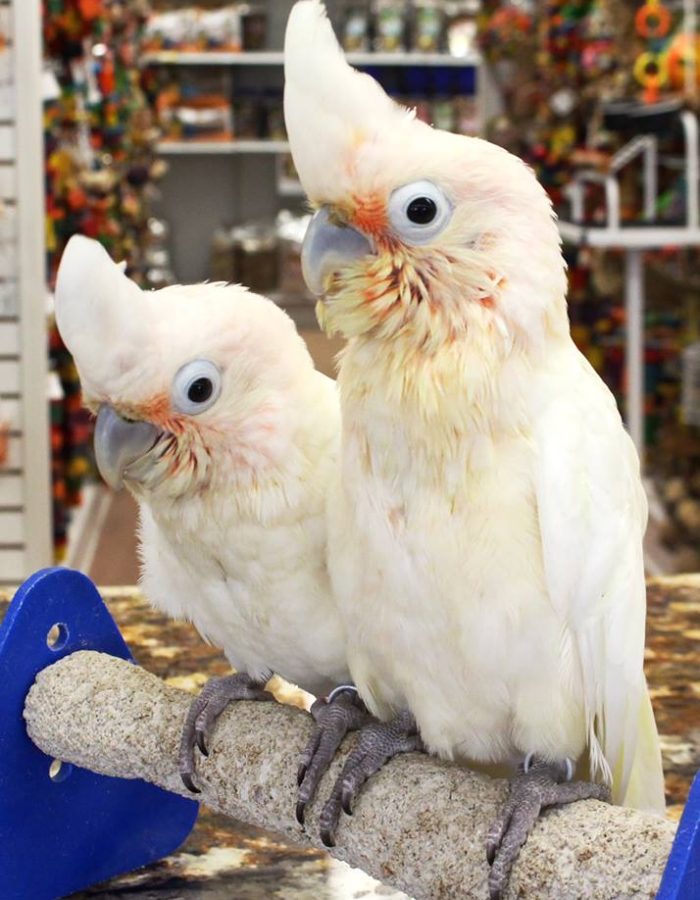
{"points": [[203, 713], [378, 742], [537, 785], [335, 716]]}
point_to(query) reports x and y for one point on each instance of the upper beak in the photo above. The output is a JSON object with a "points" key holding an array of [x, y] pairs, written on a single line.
{"points": [[327, 247], [119, 443]]}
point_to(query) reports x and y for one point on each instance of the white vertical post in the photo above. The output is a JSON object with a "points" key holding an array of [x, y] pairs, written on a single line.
{"points": [[634, 353], [689, 121], [651, 171], [689, 28], [32, 285]]}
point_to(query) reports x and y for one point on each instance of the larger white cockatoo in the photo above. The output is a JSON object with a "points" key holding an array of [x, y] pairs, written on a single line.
{"points": [[210, 411], [485, 533]]}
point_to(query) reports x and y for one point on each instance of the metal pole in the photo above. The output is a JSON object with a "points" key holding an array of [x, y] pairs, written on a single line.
{"points": [[689, 121], [634, 351], [689, 28]]}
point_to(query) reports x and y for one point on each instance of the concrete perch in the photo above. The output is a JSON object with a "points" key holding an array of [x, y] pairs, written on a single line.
{"points": [[419, 825]]}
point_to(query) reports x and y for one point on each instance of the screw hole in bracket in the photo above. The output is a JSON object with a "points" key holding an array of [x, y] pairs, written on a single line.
{"points": [[57, 637], [59, 771]]}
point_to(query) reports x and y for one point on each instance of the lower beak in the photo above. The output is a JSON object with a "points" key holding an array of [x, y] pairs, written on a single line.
{"points": [[328, 247], [119, 443]]}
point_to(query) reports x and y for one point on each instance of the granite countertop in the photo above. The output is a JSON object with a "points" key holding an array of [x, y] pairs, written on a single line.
{"points": [[223, 858]]}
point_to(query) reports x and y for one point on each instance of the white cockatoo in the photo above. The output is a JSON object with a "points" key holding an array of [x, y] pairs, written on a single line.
{"points": [[485, 530], [210, 411]]}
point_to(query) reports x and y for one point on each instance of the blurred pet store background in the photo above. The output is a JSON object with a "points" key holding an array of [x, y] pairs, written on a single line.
{"points": [[163, 137]]}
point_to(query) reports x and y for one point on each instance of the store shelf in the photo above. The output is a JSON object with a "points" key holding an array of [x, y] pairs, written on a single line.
{"points": [[412, 59], [290, 187], [211, 148], [630, 237], [276, 58]]}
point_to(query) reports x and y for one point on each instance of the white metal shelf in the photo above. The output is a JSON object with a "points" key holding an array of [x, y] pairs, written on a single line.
{"points": [[221, 148], [630, 237], [635, 239], [289, 187], [276, 58]]}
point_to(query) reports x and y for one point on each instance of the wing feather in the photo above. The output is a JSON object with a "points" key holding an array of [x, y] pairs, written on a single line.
{"points": [[593, 514]]}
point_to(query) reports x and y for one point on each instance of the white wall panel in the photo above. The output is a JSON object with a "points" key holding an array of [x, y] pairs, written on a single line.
{"points": [[8, 261], [7, 102], [9, 297], [13, 565], [9, 376], [12, 525], [15, 449], [11, 491], [8, 182], [6, 65], [6, 20], [25, 484], [12, 414], [9, 339], [8, 224], [7, 141]]}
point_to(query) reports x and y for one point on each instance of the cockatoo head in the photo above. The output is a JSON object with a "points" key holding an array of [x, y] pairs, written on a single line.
{"points": [[191, 385], [417, 231]]}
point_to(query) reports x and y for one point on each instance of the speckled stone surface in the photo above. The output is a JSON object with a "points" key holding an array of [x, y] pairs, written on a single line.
{"points": [[224, 859], [420, 824]]}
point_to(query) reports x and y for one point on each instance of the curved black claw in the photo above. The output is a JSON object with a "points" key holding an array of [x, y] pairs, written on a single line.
{"points": [[378, 742], [530, 792], [200, 738], [334, 719], [189, 783], [203, 713]]}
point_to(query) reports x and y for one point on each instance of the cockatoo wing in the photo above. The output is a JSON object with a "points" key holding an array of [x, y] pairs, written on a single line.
{"points": [[593, 514]]}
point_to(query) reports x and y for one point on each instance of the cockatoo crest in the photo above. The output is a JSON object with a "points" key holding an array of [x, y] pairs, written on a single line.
{"points": [[326, 98], [95, 300]]}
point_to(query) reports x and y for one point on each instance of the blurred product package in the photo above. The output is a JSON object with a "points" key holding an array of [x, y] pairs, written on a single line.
{"points": [[231, 27], [265, 256]]}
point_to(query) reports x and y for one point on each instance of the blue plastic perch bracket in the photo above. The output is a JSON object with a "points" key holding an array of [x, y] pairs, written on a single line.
{"points": [[63, 828], [681, 879]]}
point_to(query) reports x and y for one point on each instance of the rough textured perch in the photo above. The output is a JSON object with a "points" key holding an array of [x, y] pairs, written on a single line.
{"points": [[419, 826]]}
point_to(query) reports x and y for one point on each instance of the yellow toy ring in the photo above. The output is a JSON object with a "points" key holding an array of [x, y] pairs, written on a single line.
{"points": [[653, 20], [650, 69]]}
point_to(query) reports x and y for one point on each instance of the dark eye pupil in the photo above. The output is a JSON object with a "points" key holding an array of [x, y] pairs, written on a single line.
{"points": [[422, 210], [200, 390]]}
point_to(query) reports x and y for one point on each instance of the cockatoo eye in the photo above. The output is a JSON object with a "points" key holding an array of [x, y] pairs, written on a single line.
{"points": [[422, 210], [196, 387], [419, 211]]}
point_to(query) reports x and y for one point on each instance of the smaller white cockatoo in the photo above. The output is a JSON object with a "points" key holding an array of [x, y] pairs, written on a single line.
{"points": [[485, 528], [210, 411]]}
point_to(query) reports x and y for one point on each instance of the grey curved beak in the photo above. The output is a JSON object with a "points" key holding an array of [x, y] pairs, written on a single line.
{"points": [[328, 247], [119, 443]]}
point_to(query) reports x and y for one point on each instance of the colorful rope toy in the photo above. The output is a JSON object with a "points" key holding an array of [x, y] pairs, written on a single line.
{"points": [[652, 23], [653, 20]]}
